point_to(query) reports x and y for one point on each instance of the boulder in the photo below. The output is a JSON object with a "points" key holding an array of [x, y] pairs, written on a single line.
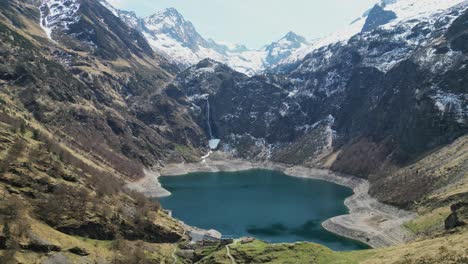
{"points": [[79, 251], [38, 244], [3, 241], [453, 221]]}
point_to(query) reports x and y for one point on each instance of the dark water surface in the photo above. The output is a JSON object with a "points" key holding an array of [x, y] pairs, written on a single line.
{"points": [[264, 204]]}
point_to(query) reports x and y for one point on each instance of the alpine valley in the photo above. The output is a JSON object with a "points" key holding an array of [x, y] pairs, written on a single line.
{"points": [[96, 103]]}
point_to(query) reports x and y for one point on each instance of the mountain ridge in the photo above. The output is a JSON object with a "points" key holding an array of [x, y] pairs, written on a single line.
{"points": [[183, 45]]}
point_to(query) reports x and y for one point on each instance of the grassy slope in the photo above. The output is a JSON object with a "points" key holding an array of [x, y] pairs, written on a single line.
{"points": [[99, 251], [445, 168], [23, 169], [446, 249]]}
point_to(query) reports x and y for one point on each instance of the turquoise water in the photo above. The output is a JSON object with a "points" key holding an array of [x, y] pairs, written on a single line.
{"points": [[264, 204]]}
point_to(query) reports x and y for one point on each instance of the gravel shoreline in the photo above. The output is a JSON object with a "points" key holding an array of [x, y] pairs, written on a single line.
{"points": [[368, 221]]}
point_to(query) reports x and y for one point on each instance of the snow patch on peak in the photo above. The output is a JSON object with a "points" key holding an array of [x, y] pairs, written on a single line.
{"points": [[338, 37], [207, 66], [174, 37], [129, 17], [58, 14], [168, 19], [283, 48], [293, 37], [413, 9], [451, 104], [168, 12], [406, 11]]}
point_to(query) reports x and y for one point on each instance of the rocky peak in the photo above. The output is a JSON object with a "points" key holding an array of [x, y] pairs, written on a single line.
{"points": [[171, 23], [92, 26], [207, 67], [284, 47], [378, 17], [293, 37], [130, 18], [168, 17]]}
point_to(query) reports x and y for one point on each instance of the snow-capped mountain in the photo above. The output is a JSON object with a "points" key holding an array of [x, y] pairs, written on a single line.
{"points": [[382, 86], [283, 48], [86, 25], [171, 35], [385, 13], [176, 38]]}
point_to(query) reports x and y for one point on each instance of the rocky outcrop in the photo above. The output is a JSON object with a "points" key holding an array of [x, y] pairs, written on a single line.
{"points": [[377, 17], [151, 232], [79, 251], [40, 245], [453, 221], [128, 225], [93, 230]]}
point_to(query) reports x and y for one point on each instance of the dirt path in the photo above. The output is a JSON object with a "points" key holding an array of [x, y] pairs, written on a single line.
{"points": [[228, 252], [174, 256]]}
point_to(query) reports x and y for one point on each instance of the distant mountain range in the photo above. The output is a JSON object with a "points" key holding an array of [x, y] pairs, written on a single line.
{"points": [[170, 34]]}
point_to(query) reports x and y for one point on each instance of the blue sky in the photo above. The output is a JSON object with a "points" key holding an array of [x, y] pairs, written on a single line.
{"points": [[257, 22]]}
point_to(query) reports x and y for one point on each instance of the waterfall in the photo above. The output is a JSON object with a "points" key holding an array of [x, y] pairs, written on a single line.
{"points": [[213, 142], [208, 118]]}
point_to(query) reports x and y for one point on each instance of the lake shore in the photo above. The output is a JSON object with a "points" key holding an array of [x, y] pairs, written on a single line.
{"points": [[368, 221]]}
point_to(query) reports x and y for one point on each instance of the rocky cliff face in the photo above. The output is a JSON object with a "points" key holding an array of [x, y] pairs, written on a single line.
{"points": [[377, 16]]}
